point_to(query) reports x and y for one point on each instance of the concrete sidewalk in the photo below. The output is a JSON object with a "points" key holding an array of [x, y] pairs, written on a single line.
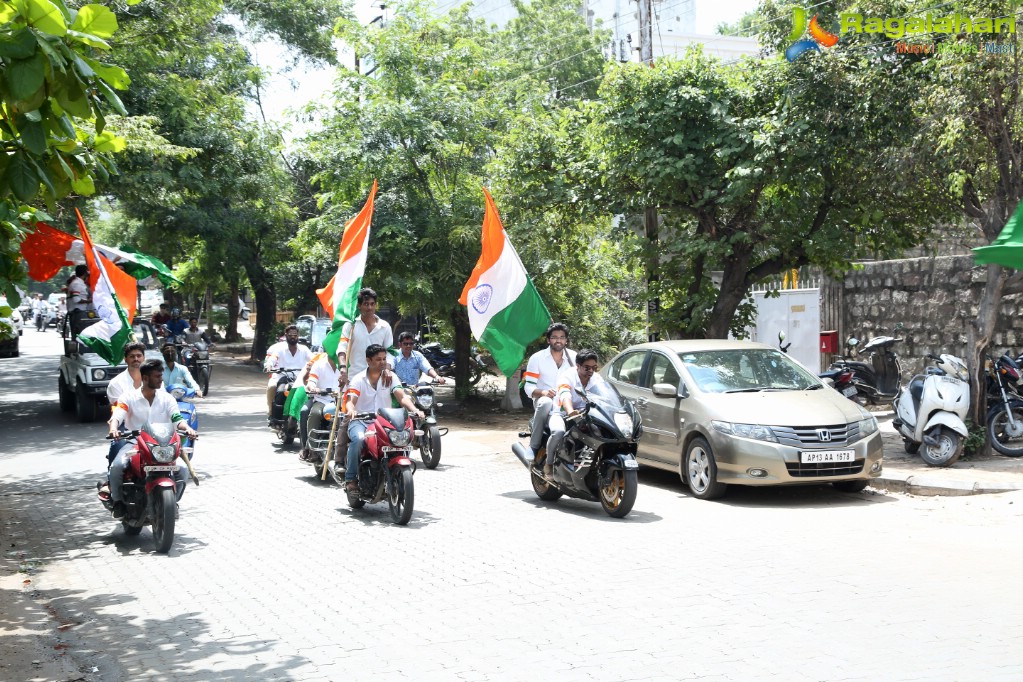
{"points": [[907, 473]]}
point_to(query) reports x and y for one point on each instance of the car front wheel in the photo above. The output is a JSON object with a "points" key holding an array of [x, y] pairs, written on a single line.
{"points": [[700, 471]]}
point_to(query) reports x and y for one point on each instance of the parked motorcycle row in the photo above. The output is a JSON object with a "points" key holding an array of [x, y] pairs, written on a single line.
{"points": [[931, 410]]}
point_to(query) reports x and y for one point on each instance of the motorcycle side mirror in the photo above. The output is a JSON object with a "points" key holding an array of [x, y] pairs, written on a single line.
{"points": [[781, 336], [899, 326], [852, 342]]}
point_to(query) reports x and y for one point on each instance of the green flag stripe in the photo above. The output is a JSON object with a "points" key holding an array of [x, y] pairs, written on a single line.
{"points": [[511, 330]]}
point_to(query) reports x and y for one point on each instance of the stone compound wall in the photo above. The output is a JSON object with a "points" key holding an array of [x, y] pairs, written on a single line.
{"points": [[933, 297]]}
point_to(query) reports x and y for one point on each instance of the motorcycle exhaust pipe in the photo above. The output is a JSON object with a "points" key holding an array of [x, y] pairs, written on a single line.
{"points": [[524, 454]]}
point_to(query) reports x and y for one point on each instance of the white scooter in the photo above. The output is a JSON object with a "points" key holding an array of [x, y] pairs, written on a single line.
{"points": [[931, 411]]}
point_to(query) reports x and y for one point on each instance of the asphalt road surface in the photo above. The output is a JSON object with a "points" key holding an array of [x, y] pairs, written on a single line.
{"points": [[272, 576]]}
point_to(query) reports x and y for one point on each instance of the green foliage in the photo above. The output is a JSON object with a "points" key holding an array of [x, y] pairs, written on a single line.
{"points": [[976, 440]]}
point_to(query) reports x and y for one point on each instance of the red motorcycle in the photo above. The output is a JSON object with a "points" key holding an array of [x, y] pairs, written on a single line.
{"points": [[149, 488], [385, 469]]}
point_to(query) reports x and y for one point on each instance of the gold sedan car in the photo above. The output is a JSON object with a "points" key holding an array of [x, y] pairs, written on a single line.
{"points": [[725, 412]]}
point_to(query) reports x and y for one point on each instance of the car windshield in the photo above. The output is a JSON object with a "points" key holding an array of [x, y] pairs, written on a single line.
{"points": [[320, 329], [746, 370], [144, 334]]}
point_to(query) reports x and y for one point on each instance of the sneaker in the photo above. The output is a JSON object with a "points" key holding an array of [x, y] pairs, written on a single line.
{"points": [[352, 486], [548, 470], [119, 510], [103, 491]]}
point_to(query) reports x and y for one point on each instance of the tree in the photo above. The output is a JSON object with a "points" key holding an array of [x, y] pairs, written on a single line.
{"points": [[759, 167], [56, 94]]}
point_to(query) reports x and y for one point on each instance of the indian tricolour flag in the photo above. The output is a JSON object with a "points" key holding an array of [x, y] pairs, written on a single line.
{"points": [[340, 296], [505, 310], [113, 296]]}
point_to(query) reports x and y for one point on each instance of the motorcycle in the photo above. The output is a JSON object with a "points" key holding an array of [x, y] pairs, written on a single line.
{"points": [[839, 378], [185, 398], [597, 457], [443, 360], [196, 357], [149, 488], [1005, 406], [426, 434], [879, 380], [284, 425], [931, 411], [385, 469]]}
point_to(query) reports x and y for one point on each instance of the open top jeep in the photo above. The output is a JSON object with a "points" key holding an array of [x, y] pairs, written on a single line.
{"points": [[82, 384]]}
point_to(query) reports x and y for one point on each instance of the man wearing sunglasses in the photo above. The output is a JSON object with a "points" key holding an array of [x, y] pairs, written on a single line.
{"points": [[411, 365], [573, 384]]}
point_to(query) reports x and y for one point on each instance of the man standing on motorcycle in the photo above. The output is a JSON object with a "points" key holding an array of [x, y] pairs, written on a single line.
{"points": [[287, 354], [368, 392], [149, 404], [176, 373], [411, 364], [542, 378], [574, 383], [357, 336]]}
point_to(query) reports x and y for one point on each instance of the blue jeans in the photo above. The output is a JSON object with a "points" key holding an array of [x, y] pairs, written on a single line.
{"points": [[356, 435]]}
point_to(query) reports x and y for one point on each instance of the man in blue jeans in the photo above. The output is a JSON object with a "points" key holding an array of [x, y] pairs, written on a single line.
{"points": [[367, 393]]}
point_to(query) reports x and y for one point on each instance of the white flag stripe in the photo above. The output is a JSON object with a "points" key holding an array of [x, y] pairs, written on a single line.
{"points": [[507, 277], [348, 272]]}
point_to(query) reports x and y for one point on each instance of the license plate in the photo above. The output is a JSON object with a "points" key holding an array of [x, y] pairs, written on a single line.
{"points": [[161, 467], [849, 391], [826, 456], [950, 380], [631, 464], [389, 448]]}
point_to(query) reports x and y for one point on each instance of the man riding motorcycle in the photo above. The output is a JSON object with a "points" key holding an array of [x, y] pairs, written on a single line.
{"points": [[175, 372], [542, 377], [573, 382], [287, 354]]}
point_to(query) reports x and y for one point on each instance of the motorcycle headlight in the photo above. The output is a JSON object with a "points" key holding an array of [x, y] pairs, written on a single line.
{"points": [[99, 374], [425, 400], [624, 422], [399, 438], [178, 392], [163, 453], [751, 431]]}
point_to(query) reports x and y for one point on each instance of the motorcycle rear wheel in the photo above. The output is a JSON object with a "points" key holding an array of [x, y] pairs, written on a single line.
{"points": [[619, 494], [544, 490], [946, 453], [475, 374], [429, 447], [163, 519], [402, 498], [1000, 431]]}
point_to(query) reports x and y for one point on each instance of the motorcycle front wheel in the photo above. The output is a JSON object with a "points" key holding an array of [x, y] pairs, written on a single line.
{"points": [[402, 498], [429, 447], [204, 380], [1006, 437], [618, 492], [946, 452], [163, 519]]}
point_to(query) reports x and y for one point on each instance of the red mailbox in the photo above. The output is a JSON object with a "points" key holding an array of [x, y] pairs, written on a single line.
{"points": [[829, 342]]}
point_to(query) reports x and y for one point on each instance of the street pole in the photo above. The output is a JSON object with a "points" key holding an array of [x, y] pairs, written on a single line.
{"points": [[646, 55]]}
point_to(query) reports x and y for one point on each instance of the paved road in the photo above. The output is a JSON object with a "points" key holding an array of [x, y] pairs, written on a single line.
{"points": [[272, 576]]}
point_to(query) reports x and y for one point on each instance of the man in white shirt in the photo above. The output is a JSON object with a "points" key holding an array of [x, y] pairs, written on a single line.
{"points": [[542, 378], [357, 336], [128, 380], [572, 382], [367, 392], [148, 404], [323, 376], [287, 354]]}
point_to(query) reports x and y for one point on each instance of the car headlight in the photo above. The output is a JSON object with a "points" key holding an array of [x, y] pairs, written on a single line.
{"points": [[163, 453], [399, 438], [425, 400], [751, 431], [867, 426], [624, 422], [99, 374]]}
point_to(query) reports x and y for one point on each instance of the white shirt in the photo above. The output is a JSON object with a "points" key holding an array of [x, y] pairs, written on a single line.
{"points": [[542, 371], [370, 398], [120, 385], [135, 411], [279, 356], [569, 383], [323, 377], [77, 292], [358, 338]]}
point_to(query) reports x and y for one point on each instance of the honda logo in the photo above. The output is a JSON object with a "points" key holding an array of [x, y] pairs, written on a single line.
{"points": [[824, 435]]}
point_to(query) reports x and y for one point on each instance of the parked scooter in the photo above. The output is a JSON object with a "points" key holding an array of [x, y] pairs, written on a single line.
{"points": [[196, 357], [426, 434], [879, 380], [931, 411], [1005, 406], [443, 360], [597, 457], [385, 469], [149, 488], [284, 425]]}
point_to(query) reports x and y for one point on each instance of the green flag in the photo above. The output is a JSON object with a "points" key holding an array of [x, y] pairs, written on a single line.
{"points": [[1007, 249]]}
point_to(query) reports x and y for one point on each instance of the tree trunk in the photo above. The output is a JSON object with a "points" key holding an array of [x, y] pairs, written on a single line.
{"points": [[266, 307], [208, 306], [978, 338], [231, 333], [463, 344], [512, 401], [733, 291]]}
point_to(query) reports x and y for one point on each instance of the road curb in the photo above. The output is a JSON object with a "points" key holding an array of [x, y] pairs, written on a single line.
{"points": [[932, 484]]}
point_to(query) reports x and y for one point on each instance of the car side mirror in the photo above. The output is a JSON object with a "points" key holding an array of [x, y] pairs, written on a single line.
{"points": [[669, 391]]}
